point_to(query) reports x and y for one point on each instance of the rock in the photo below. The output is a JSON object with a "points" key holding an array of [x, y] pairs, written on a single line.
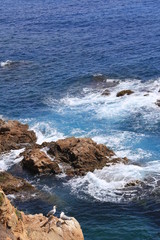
{"points": [[106, 93], [38, 162], [81, 154], [14, 135], [5, 234], [99, 77], [133, 183], [115, 160], [124, 92], [111, 83], [17, 225], [11, 184], [158, 103]]}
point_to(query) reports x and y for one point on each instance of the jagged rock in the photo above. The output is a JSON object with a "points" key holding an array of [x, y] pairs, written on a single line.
{"points": [[35, 227], [158, 103], [38, 162], [11, 184], [81, 154], [115, 160], [133, 183], [124, 92], [106, 93], [14, 135]]}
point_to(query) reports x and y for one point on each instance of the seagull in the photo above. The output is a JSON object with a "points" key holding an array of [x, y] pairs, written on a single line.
{"points": [[64, 217], [52, 212]]}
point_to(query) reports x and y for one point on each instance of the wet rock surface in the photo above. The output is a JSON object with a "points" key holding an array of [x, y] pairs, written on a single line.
{"points": [[14, 135], [124, 92], [81, 154], [73, 156], [99, 77], [38, 162], [11, 184], [106, 92]]}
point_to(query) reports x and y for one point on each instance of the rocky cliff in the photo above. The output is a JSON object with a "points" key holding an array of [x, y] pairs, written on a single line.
{"points": [[15, 225]]}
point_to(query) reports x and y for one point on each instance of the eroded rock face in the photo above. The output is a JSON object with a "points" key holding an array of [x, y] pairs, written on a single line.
{"points": [[11, 184], [14, 135], [38, 162], [124, 92], [35, 227], [81, 154]]}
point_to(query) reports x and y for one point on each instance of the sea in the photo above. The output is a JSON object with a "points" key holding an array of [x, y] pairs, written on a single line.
{"points": [[57, 58]]}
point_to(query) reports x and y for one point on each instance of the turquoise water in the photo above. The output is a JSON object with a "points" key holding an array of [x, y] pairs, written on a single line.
{"points": [[57, 51]]}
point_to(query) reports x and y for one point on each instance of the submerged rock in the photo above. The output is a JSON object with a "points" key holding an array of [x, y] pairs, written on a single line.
{"points": [[124, 92], [11, 184], [15, 135], [99, 77], [111, 83], [38, 162], [106, 93], [133, 183], [81, 155], [16, 225]]}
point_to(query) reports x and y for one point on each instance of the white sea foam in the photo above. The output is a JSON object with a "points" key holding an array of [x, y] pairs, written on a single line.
{"points": [[9, 63], [11, 196], [9, 159], [109, 184], [115, 108], [6, 63], [45, 133], [123, 144]]}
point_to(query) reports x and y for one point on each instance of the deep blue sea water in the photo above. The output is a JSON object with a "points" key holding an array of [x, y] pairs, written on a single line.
{"points": [[58, 49]]}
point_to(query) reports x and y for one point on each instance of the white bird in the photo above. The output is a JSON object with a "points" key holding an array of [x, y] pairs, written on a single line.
{"points": [[64, 217], [52, 212]]}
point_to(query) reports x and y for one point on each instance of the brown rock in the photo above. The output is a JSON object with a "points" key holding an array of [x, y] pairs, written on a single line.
{"points": [[6, 234], [81, 154], [11, 184], [14, 135], [124, 92], [38, 162], [35, 227], [116, 160]]}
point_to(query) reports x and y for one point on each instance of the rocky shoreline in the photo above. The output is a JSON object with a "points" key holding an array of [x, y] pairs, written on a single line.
{"points": [[72, 156], [15, 225]]}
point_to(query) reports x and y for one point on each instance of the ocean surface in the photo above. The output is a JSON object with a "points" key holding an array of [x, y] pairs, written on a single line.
{"points": [[62, 56]]}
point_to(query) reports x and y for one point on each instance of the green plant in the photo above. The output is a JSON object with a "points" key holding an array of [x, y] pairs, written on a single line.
{"points": [[18, 213], [1, 198]]}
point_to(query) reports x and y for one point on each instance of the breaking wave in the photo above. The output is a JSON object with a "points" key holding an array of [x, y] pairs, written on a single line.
{"points": [[7, 160], [114, 183]]}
